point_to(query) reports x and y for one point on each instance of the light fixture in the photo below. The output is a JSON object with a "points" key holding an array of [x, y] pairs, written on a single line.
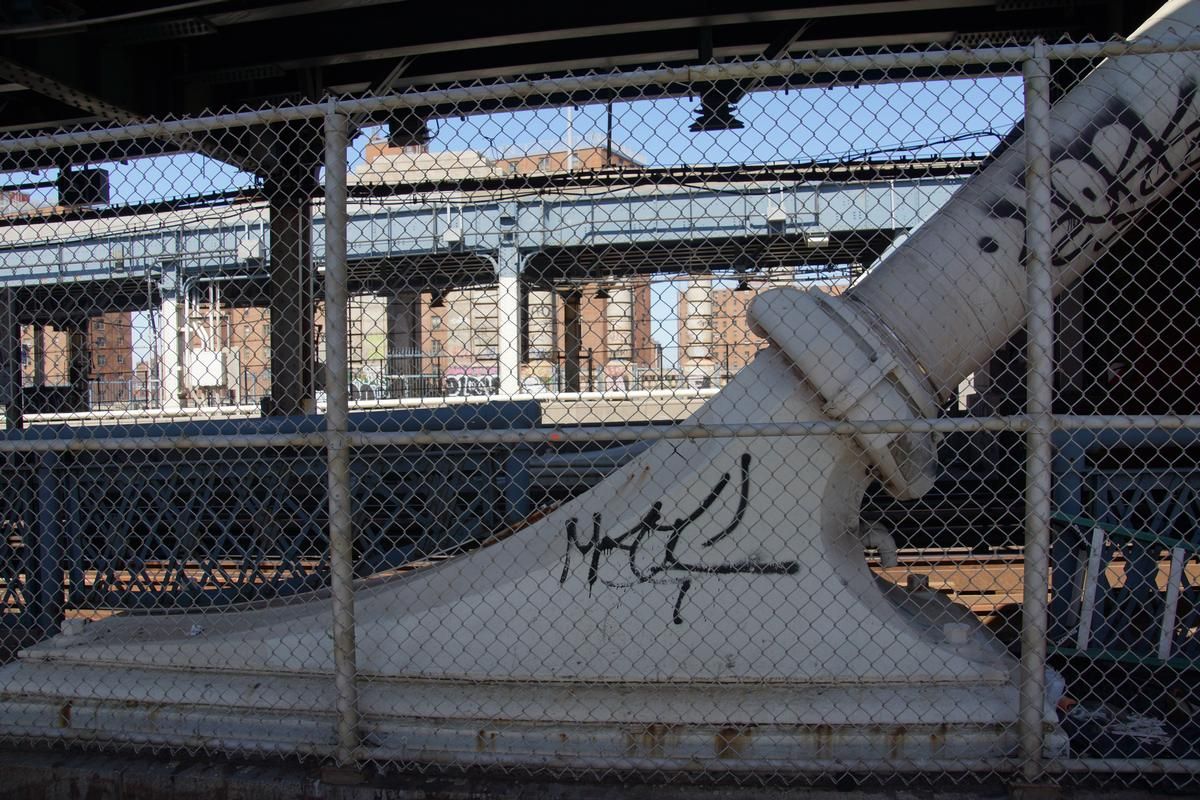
{"points": [[602, 293], [718, 117], [816, 237], [438, 300], [408, 130], [742, 286]]}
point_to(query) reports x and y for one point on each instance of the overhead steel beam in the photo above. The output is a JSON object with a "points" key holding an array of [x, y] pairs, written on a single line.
{"points": [[55, 89], [647, 26], [661, 57], [268, 12], [525, 38]]}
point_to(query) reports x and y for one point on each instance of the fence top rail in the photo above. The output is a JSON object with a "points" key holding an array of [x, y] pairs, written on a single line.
{"points": [[63, 439], [568, 90]]}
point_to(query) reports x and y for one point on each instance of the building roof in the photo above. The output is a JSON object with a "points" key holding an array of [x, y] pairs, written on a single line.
{"points": [[401, 165]]}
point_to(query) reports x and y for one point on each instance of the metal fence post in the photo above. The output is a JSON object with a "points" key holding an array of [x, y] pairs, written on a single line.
{"points": [[1039, 382], [341, 534]]}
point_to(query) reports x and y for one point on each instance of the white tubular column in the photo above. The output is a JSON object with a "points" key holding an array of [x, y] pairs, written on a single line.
{"points": [[619, 319], [698, 330], [955, 290], [168, 350], [508, 307]]}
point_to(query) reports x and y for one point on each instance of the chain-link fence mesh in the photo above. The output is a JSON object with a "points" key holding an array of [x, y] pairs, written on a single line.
{"points": [[804, 419]]}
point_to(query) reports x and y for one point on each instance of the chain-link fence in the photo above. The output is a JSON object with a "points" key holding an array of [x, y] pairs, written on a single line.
{"points": [[845, 425]]}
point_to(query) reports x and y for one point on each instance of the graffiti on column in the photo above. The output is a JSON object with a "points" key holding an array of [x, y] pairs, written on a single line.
{"points": [[1107, 174], [649, 551]]}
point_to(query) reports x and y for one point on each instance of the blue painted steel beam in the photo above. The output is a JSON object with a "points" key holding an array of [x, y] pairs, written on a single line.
{"points": [[219, 243]]}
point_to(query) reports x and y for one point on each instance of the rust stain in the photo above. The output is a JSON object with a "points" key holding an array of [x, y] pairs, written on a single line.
{"points": [[824, 734], [654, 739], [895, 741], [485, 741], [732, 742], [64, 715], [937, 739]]}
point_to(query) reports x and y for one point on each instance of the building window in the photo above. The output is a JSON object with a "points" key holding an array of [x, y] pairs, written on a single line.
{"points": [[486, 344], [120, 359], [247, 330], [98, 325], [101, 361], [435, 322], [101, 341], [544, 164]]}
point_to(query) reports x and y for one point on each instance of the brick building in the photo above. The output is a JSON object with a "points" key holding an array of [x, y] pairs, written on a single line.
{"points": [[45, 359], [110, 346]]}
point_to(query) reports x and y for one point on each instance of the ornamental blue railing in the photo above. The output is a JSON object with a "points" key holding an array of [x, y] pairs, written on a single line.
{"points": [[1127, 501], [158, 528]]}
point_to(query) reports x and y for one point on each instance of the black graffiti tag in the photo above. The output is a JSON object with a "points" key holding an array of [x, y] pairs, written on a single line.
{"points": [[1107, 175], [668, 568]]}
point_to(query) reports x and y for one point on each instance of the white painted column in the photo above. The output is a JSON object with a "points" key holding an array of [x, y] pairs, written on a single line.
{"points": [[169, 364], [508, 321], [619, 319], [698, 362]]}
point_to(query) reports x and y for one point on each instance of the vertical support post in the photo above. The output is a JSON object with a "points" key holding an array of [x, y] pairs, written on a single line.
{"points": [[168, 345], [619, 320], [508, 305], [1166, 635], [46, 596], [10, 360], [292, 279], [698, 367], [572, 339], [341, 532], [1039, 383], [39, 354]]}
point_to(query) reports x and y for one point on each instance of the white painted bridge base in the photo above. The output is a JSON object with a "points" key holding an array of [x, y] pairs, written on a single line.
{"points": [[708, 601]]}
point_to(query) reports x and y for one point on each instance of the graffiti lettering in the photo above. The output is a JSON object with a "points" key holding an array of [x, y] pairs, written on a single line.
{"points": [[666, 567], [1107, 174], [472, 385]]}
